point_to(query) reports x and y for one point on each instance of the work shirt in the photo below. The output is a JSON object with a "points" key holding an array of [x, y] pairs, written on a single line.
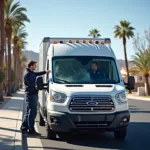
{"points": [[96, 74], [29, 81]]}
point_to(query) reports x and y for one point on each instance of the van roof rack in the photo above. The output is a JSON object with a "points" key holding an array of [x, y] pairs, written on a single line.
{"points": [[78, 40]]}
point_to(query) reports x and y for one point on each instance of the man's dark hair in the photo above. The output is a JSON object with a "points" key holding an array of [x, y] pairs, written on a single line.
{"points": [[94, 62], [31, 63]]}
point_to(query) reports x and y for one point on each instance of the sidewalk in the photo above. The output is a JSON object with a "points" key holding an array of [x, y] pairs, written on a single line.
{"points": [[134, 96], [10, 121]]}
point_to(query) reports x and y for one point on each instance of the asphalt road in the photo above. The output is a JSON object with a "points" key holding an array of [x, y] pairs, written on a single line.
{"points": [[138, 137]]}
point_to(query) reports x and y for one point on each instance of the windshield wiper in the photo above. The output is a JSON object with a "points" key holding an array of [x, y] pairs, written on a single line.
{"points": [[62, 80]]}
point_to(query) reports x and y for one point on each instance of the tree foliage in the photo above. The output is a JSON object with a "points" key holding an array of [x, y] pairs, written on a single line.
{"points": [[124, 31], [94, 33]]}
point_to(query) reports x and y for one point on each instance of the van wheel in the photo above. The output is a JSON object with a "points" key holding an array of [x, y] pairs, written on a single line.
{"points": [[49, 133], [41, 120], [120, 134]]}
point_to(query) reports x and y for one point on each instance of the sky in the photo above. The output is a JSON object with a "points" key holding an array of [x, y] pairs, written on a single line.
{"points": [[75, 18]]}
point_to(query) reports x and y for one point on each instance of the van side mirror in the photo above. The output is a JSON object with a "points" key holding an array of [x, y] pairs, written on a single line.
{"points": [[131, 83], [40, 85]]}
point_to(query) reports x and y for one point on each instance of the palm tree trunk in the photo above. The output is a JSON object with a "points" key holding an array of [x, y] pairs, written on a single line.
{"points": [[1, 43], [15, 63], [1, 92], [6, 62], [9, 67], [125, 56], [126, 59], [147, 85], [15, 50], [19, 67], [1, 84], [14, 57], [18, 70]]}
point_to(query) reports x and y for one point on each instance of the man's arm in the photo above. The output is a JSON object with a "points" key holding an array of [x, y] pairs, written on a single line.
{"points": [[40, 73]]}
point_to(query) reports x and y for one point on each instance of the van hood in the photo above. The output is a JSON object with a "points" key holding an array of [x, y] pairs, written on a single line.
{"points": [[88, 89]]}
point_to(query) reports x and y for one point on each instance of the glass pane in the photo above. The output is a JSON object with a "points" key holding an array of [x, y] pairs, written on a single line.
{"points": [[85, 69]]}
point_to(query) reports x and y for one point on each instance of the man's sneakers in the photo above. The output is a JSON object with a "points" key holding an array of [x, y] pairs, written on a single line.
{"points": [[24, 132], [27, 132]]}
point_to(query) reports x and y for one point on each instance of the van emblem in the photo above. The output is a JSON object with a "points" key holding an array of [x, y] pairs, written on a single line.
{"points": [[92, 103]]}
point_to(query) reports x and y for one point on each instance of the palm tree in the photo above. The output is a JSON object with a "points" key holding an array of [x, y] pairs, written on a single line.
{"points": [[18, 35], [21, 58], [94, 33], [124, 31], [1, 46], [23, 61], [14, 15], [133, 71], [141, 60]]}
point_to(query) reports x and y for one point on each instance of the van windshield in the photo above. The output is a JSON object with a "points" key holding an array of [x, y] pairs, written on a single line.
{"points": [[84, 70]]}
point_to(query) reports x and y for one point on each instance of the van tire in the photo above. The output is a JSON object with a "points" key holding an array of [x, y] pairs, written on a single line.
{"points": [[49, 133], [120, 134], [41, 120]]}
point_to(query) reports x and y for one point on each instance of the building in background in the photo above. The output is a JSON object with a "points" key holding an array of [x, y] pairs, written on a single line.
{"points": [[139, 78]]}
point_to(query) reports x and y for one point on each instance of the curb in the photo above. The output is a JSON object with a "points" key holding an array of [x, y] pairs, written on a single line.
{"points": [[138, 98], [18, 138]]}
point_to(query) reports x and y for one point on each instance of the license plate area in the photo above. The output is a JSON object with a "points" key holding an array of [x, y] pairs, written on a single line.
{"points": [[87, 117]]}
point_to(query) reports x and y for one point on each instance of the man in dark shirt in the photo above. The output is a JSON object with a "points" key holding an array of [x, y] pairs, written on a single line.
{"points": [[94, 72], [31, 97]]}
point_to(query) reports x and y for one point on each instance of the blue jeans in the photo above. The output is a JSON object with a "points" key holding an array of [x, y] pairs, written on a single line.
{"points": [[30, 114]]}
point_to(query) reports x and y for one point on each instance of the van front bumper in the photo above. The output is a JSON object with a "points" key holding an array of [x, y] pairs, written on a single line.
{"points": [[65, 122]]}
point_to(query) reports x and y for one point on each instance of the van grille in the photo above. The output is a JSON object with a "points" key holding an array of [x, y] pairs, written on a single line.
{"points": [[91, 104], [93, 124]]}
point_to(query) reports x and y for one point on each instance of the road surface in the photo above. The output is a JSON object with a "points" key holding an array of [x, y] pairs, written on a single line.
{"points": [[138, 137]]}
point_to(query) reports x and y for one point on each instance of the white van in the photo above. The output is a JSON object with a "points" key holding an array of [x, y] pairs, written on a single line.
{"points": [[84, 91]]}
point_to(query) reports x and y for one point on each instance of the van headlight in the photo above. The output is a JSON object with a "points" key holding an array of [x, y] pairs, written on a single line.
{"points": [[57, 97], [121, 97]]}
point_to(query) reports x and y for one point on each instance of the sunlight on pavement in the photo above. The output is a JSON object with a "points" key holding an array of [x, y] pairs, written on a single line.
{"points": [[17, 98]]}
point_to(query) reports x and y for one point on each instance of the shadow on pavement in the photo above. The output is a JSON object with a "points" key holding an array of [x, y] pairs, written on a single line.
{"points": [[24, 142], [138, 110], [14, 103], [137, 138], [50, 148], [7, 129], [135, 109], [7, 143], [10, 118]]}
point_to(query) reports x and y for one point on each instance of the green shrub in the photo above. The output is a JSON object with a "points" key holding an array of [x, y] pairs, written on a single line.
{"points": [[5, 67], [2, 76]]}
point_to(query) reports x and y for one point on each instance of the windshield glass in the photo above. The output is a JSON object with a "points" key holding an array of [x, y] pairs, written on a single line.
{"points": [[85, 70]]}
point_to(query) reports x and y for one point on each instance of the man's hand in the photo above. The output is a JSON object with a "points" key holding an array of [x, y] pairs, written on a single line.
{"points": [[48, 71]]}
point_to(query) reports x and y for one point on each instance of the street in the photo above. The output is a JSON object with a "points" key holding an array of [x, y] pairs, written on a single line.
{"points": [[138, 136]]}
